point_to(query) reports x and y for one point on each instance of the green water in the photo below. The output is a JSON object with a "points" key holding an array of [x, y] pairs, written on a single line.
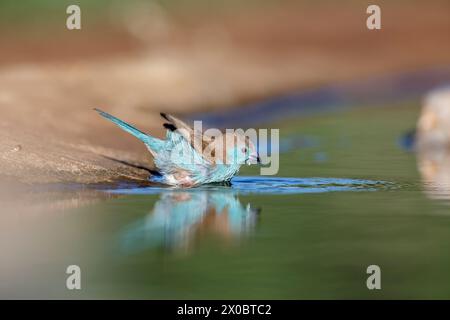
{"points": [[294, 246]]}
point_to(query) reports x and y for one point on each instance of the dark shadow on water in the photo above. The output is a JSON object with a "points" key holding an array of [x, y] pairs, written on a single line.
{"points": [[381, 90], [127, 163]]}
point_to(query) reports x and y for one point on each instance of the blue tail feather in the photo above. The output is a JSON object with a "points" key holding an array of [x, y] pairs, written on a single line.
{"points": [[153, 143]]}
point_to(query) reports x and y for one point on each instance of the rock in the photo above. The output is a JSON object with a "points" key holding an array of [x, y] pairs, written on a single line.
{"points": [[433, 127], [433, 144]]}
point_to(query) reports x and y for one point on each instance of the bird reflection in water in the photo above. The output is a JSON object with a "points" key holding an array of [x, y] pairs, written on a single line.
{"points": [[178, 218]]}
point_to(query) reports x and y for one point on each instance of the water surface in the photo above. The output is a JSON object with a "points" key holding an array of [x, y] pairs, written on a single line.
{"points": [[351, 199]]}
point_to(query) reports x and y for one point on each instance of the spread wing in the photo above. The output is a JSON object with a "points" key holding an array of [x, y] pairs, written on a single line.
{"points": [[197, 139]]}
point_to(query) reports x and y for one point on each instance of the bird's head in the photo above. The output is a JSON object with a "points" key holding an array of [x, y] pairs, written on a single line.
{"points": [[241, 150]]}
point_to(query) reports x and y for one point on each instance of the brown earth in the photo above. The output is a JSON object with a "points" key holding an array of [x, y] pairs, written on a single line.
{"points": [[181, 62]]}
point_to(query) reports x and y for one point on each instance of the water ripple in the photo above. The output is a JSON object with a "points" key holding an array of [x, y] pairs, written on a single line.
{"points": [[272, 185]]}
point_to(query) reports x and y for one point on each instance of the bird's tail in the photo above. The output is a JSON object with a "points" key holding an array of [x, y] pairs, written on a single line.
{"points": [[154, 144]]}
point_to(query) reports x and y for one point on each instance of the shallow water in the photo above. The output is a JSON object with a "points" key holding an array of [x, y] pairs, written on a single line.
{"points": [[268, 185], [291, 236]]}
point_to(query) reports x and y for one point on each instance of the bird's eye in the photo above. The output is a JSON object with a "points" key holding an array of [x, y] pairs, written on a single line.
{"points": [[244, 150]]}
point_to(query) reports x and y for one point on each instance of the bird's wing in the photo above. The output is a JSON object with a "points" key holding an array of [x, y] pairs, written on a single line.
{"points": [[197, 140]]}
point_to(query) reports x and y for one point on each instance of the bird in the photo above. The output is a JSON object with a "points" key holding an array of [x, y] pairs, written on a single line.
{"points": [[188, 157], [179, 216]]}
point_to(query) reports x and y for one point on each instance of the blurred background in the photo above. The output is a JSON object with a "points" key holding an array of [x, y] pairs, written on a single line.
{"points": [[365, 110]]}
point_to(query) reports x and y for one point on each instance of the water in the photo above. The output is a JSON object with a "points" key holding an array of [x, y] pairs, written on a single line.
{"points": [[292, 236], [267, 185], [178, 214]]}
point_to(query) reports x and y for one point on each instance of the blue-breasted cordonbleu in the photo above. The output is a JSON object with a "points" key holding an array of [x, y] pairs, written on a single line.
{"points": [[188, 157]]}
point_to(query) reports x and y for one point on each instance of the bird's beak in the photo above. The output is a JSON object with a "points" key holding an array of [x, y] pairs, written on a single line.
{"points": [[254, 159]]}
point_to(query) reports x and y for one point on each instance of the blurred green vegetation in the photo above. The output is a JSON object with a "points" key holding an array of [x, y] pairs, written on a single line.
{"points": [[48, 12]]}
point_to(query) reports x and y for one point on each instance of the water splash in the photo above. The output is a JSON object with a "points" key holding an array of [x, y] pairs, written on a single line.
{"points": [[271, 185]]}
